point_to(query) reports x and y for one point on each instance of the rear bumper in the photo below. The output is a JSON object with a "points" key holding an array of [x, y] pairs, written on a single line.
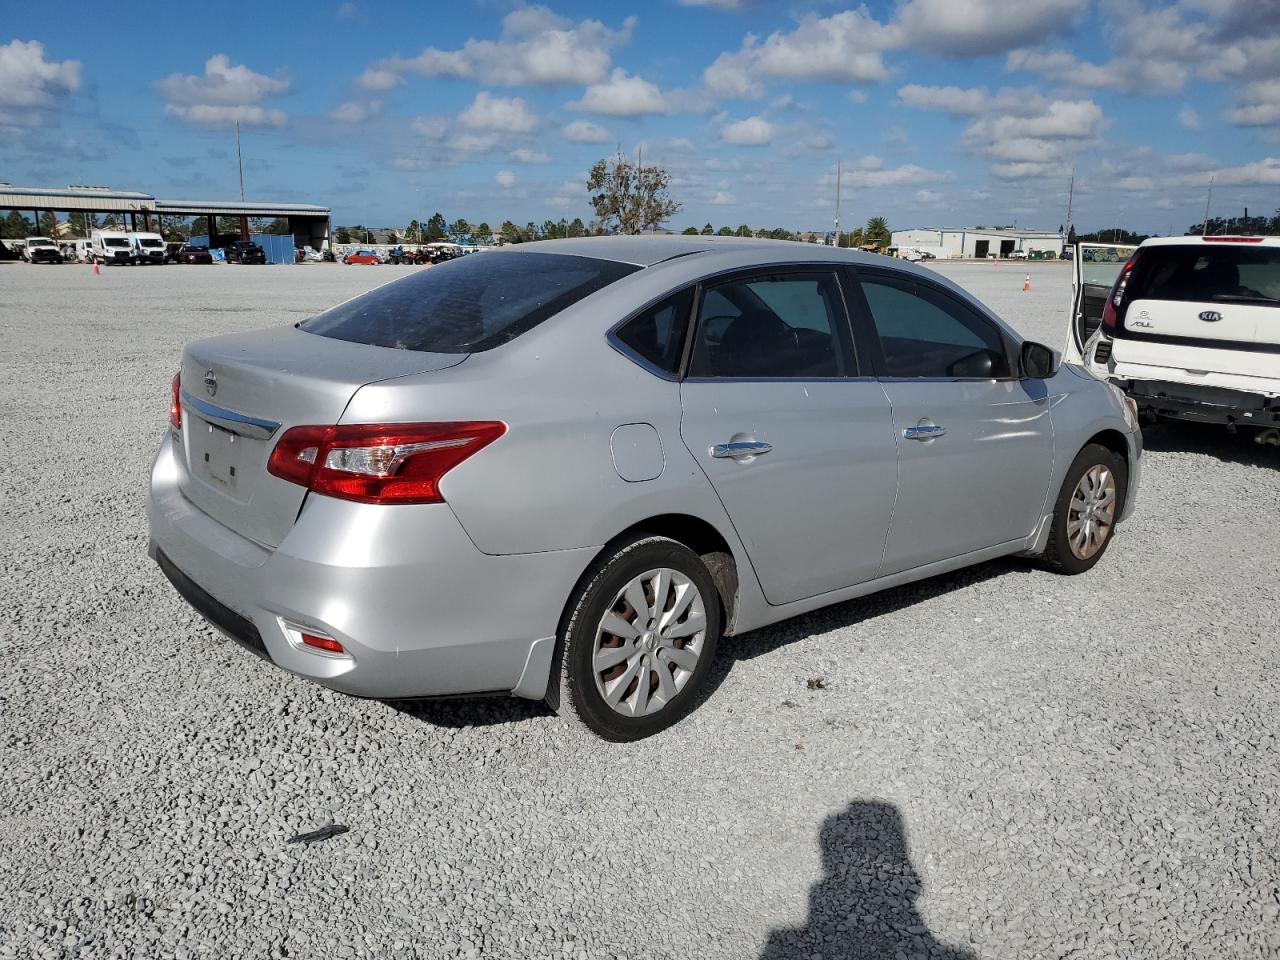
{"points": [[419, 610], [1184, 401]]}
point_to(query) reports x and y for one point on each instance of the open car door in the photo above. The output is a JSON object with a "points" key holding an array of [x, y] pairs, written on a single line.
{"points": [[1095, 267]]}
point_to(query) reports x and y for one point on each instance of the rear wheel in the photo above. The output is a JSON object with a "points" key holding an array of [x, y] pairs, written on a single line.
{"points": [[1087, 510], [638, 640]]}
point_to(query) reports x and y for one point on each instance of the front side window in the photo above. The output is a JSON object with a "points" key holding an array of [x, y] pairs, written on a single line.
{"points": [[925, 333], [657, 335], [783, 326], [468, 305]]}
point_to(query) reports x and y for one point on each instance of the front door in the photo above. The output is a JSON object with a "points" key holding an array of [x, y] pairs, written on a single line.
{"points": [[798, 445], [975, 443]]}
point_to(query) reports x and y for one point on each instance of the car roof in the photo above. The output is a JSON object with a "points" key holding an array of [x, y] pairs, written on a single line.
{"points": [[1229, 240], [647, 250]]}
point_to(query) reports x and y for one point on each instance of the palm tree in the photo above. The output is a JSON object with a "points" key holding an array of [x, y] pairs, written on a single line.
{"points": [[878, 230]]}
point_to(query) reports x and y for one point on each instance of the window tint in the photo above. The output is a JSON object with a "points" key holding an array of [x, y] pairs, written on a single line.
{"points": [[657, 335], [924, 333], [778, 326], [1207, 273], [468, 305]]}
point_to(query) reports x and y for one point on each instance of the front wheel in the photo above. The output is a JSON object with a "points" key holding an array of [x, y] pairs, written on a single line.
{"points": [[638, 641], [1087, 510]]}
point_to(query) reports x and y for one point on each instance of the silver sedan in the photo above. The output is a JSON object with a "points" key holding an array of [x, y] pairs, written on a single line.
{"points": [[568, 469]]}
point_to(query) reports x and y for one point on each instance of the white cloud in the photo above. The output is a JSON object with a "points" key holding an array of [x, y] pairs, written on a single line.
{"points": [[623, 95], [718, 4], [722, 199], [1264, 172], [928, 196], [975, 28], [27, 79], [525, 155], [1258, 106], [843, 48], [505, 179], [509, 114], [1188, 118], [223, 94], [356, 111], [960, 101], [584, 131], [536, 47], [433, 128], [751, 132]]}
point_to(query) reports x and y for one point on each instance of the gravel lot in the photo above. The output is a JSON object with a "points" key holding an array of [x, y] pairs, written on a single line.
{"points": [[998, 763]]}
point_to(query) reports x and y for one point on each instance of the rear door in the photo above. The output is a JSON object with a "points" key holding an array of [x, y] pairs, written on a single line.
{"points": [[792, 432], [975, 443], [1095, 267]]}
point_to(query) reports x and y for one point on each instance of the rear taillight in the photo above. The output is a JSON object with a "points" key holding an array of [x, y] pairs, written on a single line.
{"points": [[175, 401], [1113, 309], [379, 463]]}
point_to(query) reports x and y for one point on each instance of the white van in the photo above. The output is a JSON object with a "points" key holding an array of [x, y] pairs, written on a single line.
{"points": [[1189, 327], [110, 246], [147, 247]]}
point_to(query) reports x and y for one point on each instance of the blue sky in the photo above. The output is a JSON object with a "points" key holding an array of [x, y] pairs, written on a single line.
{"points": [[941, 112]]}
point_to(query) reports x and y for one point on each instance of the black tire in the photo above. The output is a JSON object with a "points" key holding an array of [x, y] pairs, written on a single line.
{"points": [[1059, 554], [573, 691]]}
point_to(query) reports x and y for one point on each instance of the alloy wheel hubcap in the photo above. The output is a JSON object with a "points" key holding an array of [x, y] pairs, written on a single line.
{"points": [[649, 642], [1091, 512]]}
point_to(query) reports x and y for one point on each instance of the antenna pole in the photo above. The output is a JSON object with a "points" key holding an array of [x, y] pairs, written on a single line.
{"points": [[1071, 193]]}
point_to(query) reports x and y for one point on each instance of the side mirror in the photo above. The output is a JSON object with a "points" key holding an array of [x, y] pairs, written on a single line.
{"points": [[1038, 361]]}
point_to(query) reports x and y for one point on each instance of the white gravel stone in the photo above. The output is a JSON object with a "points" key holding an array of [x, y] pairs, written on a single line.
{"points": [[1000, 763]]}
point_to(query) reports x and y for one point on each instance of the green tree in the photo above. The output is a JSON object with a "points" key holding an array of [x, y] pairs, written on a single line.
{"points": [[708, 230], [340, 235], [689, 231], [393, 237], [437, 227], [509, 232], [725, 232], [83, 224], [484, 232], [49, 226], [628, 198], [877, 231], [744, 231], [279, 227], [577, 228], [16, 226], [460, 229]]}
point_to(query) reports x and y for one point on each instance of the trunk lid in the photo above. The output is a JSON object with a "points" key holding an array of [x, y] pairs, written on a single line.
{"points": [[241, 392]]}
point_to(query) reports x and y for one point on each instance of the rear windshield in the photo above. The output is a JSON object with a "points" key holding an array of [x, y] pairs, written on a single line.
{"points": [[1203, 273], [468, 305]]}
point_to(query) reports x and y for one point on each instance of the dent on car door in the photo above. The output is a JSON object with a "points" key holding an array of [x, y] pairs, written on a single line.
{"points": [[797, 445], [975, 443], [1095, 267]]}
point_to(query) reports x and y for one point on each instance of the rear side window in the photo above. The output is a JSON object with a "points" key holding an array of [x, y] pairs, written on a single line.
{"points": [[468, 305], [657, 335], [781, 326], [924, 333], [1207, 273]]}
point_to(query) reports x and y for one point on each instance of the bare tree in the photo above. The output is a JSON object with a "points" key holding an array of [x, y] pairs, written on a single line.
{"points": [[628, 197]]}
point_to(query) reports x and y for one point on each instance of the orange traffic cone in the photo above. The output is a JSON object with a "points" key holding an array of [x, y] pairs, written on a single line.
{"points": [[97, 270], [1026, 284]]}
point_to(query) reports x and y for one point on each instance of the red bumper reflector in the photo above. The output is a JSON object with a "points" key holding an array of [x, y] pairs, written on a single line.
{"points": [[322, 643]]}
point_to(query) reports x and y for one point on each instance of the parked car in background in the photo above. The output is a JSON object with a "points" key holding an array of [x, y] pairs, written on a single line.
{"points": [[188, 253], [361, 256], [68, 250], [147, 247], [245, 251], [1017, 255], [1189, 327], [40, 250], [110, 246], [566, 469]]}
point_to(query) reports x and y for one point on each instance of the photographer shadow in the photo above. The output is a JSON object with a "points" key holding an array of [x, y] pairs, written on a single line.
{"points": [[864, 906]]}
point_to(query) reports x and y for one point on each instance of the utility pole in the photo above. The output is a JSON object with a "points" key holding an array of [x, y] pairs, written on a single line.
{"points": [[837, 203], [239, 161], [1204, 227], [1071, 193]]}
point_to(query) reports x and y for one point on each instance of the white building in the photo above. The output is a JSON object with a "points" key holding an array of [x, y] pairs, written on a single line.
{"points": [[981, 242]]}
